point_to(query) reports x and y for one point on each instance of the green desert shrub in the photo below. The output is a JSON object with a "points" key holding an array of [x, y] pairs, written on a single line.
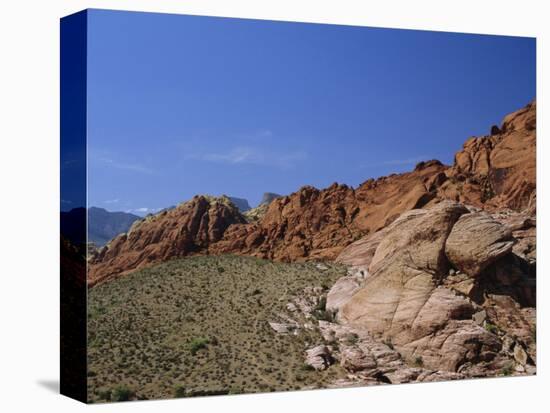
{"points": [[321, 304], [352, 339], [320, 311], [198, 343], [307, 367], [179, 391], [491, 328], [324, 315], [104, 395], [121, 394]]}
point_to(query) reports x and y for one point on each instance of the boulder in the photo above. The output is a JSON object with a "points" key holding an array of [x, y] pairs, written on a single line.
{"points": [[458, 342], [319, 357], [283, 328], [360, 253], [476, 241], [354, 359], [479, 317], [404, 271]]}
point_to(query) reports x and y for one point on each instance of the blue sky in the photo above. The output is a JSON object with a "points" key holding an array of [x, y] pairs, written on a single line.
{"points": [[182, 105]]}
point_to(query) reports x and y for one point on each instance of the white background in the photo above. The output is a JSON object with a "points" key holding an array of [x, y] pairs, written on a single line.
{"points": [[29, 194]]}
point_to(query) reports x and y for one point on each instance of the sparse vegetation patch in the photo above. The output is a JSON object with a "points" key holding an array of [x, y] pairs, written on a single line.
{"points": [[186, 328]]}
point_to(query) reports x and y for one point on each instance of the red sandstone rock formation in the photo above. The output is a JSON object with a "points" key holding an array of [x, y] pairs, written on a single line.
{"points": [[495, 172], [187, 229]]}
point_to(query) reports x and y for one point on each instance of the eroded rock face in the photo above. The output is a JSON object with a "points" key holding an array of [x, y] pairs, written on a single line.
{"points": [[187, 229], [372, 361], [498, 171], [445, 288], [366, 359], [314, 224], [404, 272], [343, 290], [476, 241], [360, 253]]}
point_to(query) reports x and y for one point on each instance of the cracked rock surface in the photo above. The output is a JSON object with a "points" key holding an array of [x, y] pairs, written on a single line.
{"points": [[448, 290]]}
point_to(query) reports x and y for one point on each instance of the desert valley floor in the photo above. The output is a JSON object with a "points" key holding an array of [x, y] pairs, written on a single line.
{"points": [[202, 324]]}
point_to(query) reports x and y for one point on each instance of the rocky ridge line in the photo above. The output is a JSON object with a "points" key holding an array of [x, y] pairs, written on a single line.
{"points": [[494, 172]]}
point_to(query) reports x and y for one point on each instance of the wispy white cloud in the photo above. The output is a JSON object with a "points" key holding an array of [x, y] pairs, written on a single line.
{"points": [[66, 201], [264, 133], [236, 155], [253, 155], [143, 210], [125, 166], [111, 201]]}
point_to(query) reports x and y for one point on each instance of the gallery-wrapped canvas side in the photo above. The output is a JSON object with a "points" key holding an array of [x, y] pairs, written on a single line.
{"points": [[73, 206]]}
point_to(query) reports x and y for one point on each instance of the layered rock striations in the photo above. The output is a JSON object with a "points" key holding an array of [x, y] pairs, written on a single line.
{"points": [[445, 286]]}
